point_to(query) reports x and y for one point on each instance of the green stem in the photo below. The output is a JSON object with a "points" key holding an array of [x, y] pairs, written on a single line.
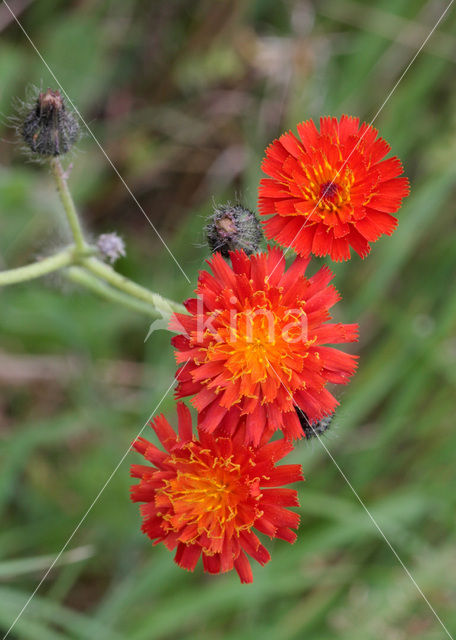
{"points": [[122, 291], [37, 269], [86, 279], [104, 271], [68, 205], [101, 270]]}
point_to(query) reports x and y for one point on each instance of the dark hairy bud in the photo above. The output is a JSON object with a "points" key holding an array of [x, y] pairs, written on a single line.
{"points": [[233, 227], [311, 430], [49, 129]]}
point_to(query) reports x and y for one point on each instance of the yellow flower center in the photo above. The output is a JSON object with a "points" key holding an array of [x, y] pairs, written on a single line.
{"points": [[204, 495], [326, 188], [253, 344], [257, 342]]}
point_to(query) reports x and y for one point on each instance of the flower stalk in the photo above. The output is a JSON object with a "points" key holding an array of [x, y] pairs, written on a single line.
{"points": [[82, 277], [131, 288], [37, 269], [68, 205], [80, 265]]}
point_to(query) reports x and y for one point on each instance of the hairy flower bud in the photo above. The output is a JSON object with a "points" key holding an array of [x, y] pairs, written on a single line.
{"points": [[311, 430], [233, 227], [49, 129], [111, 246]]}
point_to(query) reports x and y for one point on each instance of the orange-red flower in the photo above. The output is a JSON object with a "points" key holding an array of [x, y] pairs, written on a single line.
{"points": [[254, 345], [203, 497], [330, 190]]}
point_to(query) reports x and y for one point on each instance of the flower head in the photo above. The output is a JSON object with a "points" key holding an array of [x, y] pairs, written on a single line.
{"points": [[332, 189], [254, 345], [203, 497]]}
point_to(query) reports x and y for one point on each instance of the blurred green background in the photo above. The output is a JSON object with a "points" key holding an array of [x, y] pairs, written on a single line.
{"points": [[184, 96]]}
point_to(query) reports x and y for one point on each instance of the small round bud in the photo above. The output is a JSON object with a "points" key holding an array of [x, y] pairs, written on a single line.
{"points": [[233, 227], [49, 129], [111, 246], [311, 430]]}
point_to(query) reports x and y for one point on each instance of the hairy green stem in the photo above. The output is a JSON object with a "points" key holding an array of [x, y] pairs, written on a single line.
{"points": [[37, 269], [97, 267], [89, 271], [68, 205], [104, 271], [82, 277]]}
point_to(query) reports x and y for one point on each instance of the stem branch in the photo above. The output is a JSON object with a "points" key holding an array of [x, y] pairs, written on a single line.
{"points": [[107, 273], [91, 273], [37, 269], [82, 277]]}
